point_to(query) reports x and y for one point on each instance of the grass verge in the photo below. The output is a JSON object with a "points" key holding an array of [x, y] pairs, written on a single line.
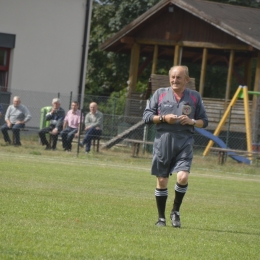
{"points": [[56, 207]]}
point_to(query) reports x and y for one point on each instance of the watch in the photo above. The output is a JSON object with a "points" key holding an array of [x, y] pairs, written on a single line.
{"points": [[161, 119], [194, 121]]}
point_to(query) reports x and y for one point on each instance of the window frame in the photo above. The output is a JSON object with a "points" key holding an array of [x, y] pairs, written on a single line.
{"points": [[5, 68]]}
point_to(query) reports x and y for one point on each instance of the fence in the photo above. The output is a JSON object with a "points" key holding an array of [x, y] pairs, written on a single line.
{"points": [[121, 129]]}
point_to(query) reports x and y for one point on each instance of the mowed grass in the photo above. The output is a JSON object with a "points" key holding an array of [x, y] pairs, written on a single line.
{"points": [[57, 207]]}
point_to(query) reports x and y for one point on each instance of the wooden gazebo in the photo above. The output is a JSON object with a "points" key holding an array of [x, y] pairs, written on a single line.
{"points": [[194, 31]]}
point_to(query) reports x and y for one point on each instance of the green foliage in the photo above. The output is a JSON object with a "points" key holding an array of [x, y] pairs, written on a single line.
{"points": [[108, 72], [115, 104]]}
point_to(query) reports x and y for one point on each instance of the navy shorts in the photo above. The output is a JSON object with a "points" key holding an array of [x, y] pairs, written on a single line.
{"points": [[172, 152]]}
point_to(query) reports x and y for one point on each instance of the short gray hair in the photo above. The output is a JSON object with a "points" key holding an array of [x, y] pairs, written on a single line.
{"points": [[185, 68], [56, 100]]}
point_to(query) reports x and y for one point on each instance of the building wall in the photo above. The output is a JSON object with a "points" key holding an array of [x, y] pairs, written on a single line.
{"points": [[48, 47]]}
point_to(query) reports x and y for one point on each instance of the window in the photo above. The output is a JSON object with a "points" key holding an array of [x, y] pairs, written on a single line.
{"points": [[4, 67]]}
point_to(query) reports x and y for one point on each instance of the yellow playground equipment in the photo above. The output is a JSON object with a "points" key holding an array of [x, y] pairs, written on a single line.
{"points": [[242, 92]]}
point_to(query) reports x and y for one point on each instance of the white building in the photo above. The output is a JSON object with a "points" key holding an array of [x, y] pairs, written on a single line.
{"points": [[41, 50]]}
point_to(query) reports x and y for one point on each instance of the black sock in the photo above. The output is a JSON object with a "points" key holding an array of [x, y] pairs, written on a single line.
{"points": [[161, 196], [180, 191]]}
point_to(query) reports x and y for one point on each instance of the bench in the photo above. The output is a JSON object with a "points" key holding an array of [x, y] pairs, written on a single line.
{"points": [[222, 154], [95, 141], [136, 145]]}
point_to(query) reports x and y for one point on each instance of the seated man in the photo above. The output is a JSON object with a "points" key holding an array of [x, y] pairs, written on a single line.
{"points": [[71, 126], [16, 116], [93, 125], [56, 117]]}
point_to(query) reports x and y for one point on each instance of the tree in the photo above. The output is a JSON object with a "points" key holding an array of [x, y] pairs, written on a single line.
{"points": [[106, 71]]}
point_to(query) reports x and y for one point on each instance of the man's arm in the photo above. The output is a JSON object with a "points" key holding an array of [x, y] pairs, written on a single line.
{"points": [[99, 123], [7, 115], [150, 114], [27, 115], [61, 116], [201, 116], [65, 123]]}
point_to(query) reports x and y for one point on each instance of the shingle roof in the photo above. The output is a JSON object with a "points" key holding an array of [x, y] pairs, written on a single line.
{"points": [[240, 22]]}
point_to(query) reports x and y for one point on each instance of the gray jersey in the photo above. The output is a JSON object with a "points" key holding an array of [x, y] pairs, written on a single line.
{"points": [[173, 143], [163, 102]]}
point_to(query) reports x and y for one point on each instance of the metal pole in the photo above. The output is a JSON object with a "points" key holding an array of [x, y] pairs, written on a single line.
{"points": [[84, 57]]}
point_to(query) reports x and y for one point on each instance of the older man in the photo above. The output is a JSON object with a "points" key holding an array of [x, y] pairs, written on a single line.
{"points": [[175, 111], [93, 125], [55, 116], [16, 116]]}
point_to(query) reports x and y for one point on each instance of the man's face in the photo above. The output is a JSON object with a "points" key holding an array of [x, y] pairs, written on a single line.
{"points": [[93, 108], [16, 102], [74, 106], [178, 79], [56, 105]]}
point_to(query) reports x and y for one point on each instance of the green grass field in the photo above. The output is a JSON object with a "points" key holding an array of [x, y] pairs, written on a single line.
{"points": [[57, 206]]}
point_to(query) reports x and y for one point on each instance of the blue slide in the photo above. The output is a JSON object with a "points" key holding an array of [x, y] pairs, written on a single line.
{"points": [[221, 144]]}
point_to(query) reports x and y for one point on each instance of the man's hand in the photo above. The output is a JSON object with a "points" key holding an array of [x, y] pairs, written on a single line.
{"points": [[53, 110], [185, 120], [170, 118], [55, 131], [19, 122]]}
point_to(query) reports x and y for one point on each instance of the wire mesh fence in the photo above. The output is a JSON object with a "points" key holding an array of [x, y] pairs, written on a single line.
{"points": [[126, 134]]}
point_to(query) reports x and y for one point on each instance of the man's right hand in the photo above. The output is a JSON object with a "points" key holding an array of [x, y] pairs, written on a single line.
{"points": [[170, 118], [9, 124]]}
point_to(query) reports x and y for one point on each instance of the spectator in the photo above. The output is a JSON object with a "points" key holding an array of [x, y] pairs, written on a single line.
{"points": [[71, 126], [16, 116], [93, 125], [56, 117]]}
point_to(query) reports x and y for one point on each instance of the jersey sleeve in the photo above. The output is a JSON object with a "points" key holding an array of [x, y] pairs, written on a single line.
{"points": [[151, 109], [200, 112]]}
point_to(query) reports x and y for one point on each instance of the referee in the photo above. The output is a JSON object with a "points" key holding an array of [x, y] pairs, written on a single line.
{"points": [[175, 111]]}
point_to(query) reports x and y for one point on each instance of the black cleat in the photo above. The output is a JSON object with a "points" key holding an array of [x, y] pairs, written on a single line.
{"points": [[175, 217], [161, 222]]}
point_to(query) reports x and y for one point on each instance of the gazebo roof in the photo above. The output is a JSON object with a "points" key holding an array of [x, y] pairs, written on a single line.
{"points": [[243, 23]]}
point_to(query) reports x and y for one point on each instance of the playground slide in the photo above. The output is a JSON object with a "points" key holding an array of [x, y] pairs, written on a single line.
{"points": [[117, 139], [221, 144]]}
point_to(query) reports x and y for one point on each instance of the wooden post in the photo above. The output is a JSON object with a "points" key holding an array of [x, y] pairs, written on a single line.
{"points": [[248, 73], [134, 64], [203, 70], [255, 113], [229, 78], [176, 59], [248, 121], [155, 57]]}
